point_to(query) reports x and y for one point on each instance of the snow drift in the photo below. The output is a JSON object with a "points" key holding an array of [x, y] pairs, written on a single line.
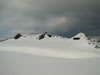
{"points": [[46, 54], [54, 46]]}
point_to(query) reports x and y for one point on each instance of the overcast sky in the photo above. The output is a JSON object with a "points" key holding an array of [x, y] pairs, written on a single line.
{"points": [[61, 17]]}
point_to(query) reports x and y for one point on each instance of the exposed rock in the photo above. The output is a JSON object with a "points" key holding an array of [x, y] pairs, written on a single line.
{"points": [[43, 35], [18, 36]]}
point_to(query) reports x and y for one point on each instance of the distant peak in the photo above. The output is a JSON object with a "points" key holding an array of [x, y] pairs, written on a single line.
{"points": [[80, 35], [17, 36], [42, 36]]}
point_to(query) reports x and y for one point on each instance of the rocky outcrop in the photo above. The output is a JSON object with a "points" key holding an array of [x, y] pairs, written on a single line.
{"points": [[17, 36], [42, 36]]}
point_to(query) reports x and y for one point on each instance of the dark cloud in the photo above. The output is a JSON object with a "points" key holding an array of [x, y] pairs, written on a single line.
{"points": [[61, 17]]}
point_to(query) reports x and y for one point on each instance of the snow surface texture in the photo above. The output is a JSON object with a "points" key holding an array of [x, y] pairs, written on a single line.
{"points": [[49, 56]]}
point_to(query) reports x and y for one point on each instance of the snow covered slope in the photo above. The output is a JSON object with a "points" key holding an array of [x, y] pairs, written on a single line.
{"points": [[49, 56], [53, 46]]}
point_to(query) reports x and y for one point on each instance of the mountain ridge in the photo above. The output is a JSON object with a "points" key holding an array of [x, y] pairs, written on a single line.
{"points": [[46, 36]]}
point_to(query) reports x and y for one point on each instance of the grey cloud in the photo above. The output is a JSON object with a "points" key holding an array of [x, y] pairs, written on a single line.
{"points": [[62, 17]]}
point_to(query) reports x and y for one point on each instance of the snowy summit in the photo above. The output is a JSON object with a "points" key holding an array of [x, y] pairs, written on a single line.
{"points": [[50, 43], [49, 55]]}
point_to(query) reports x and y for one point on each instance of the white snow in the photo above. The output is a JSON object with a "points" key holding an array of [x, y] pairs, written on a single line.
{"points": [[49, 56]]}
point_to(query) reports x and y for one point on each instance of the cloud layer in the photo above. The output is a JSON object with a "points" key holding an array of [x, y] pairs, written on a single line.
{"points": [[61, 17]]}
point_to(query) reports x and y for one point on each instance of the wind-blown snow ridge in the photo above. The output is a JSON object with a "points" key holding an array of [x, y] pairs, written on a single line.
{"points": [[78, 48], [53, 53]]}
